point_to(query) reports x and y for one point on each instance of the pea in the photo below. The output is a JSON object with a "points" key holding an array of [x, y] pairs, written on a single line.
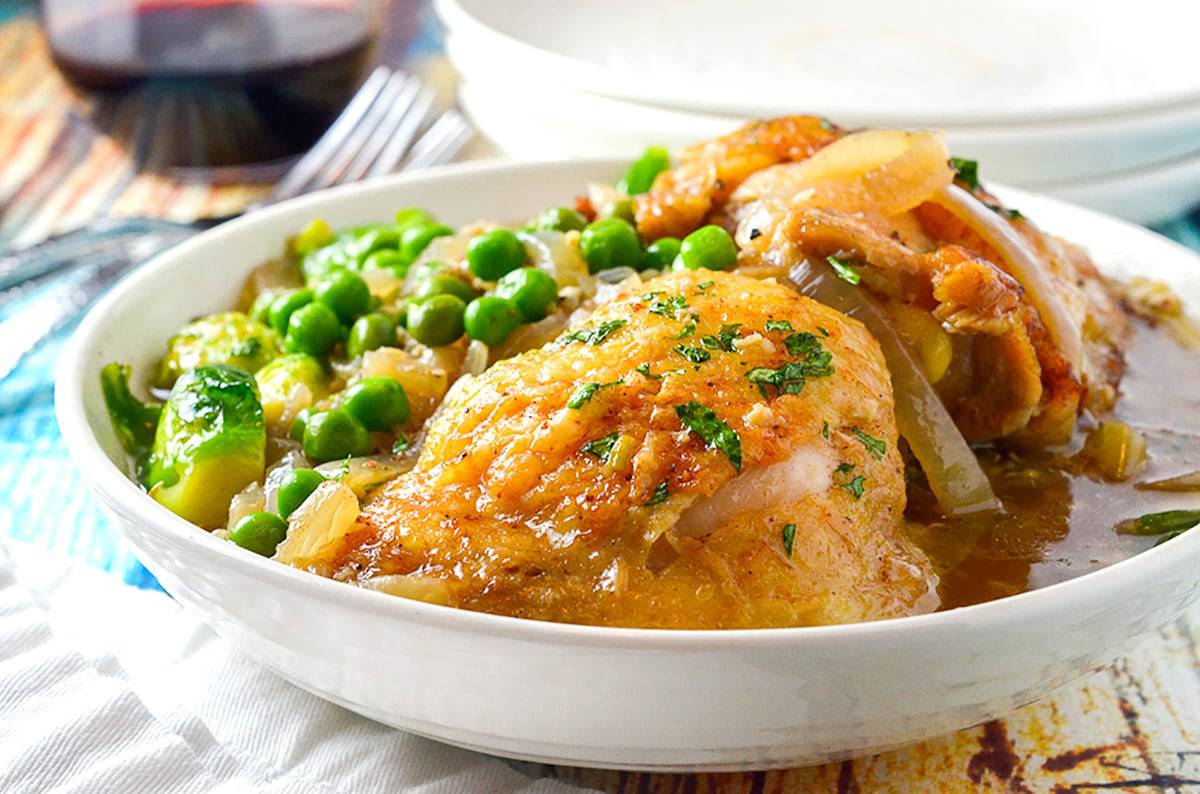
{"points": [[335, 434], [388, 259], [296, 431], [708, 247], [412, 216], [617, 208], [259, 533], [316, 234], [415, 239], [490, 319], [642, 171], [312, 329], [559, 219], [533, 291], [261, 310], [377, 403], [282, 308], [296, 486], [344, 292], [660, 254], [444, 284], [369, 332], [494, 253], [436, 321], [610, 243]]}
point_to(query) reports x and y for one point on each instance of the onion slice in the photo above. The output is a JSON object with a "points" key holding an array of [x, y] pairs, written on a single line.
{"points": [[951, 467], [1022, 264]]}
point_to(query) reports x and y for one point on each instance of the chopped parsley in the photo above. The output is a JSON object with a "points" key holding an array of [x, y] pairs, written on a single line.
{"points": [[844, 468], [696, 355], [659, 496], [823, 331], [586, 392], [845, 272], [600, 447], [669, 307], [966, 171], [705, 285], [400, 445], [876, 447], [789, 538], [649, 296], [644, 371], [856, 487], [779, 325], [712, 430], [594, 335], [1011, 214], [802, 344], [688, 330], [791, 377], [825, 430], [724, 339]]}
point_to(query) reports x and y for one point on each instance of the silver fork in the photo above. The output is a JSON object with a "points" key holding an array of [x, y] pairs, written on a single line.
{"points": [[370, 138]]}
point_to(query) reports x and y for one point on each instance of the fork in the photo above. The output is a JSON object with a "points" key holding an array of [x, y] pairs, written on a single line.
{"points": [[375, 134]]}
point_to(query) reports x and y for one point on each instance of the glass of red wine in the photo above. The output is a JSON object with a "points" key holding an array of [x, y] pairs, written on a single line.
{"points": [[213, 84]]}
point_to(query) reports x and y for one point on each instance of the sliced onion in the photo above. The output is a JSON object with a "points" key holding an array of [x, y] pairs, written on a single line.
{"points": [[326, 517], [1020, 262], [418, 588], [476, 359], [248, 500], [363, 474], [290, 461], [951, 467], [553, 253]]}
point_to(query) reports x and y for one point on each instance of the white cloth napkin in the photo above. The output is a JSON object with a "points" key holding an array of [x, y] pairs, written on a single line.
{"points": [[105, 688]]}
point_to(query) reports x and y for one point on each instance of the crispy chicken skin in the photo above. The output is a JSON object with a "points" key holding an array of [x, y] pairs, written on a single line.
{"points": [[1007, 380], [614, 512]]}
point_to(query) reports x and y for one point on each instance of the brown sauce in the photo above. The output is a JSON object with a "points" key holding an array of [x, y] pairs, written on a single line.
{"points": [[1059, 519]]}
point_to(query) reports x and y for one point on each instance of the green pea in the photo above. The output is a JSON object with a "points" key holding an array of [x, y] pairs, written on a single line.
{"points": [[316, 234], [335, 434], [436, 321], [261, 310], [610, 243], [413, 216], [491, 319], [415, 239], [259, 533], [388, 259], [708, 247], [660, 254], [559, 219], [312, 329], [296, 486], [377, 403], [617, 208], [344, 292], [642, 171], [296, 431], [282, 308], [369, 332], [494, 253], [444, 284], [533, 291]]}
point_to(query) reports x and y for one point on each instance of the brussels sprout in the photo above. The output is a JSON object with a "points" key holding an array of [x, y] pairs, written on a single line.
{"points": [[224, 338], [210, 444], [133, 420], [278, 382]]}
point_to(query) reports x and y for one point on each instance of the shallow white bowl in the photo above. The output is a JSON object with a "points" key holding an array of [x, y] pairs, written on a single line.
{"points": [[585, 695], [1149, 195]]}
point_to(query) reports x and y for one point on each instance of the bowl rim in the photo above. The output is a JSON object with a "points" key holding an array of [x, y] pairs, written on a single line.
{"points": [[113, 485]]}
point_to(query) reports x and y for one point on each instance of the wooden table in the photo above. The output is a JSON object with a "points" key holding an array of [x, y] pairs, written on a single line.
{"points": [[1133, 726]]}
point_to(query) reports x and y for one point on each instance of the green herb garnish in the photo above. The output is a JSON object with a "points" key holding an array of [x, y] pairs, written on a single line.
{"points": [[595, 335], [600, 447], [712, 430], [687, 331], [789, 538], [659, 496], [705, 285], [586, 392], [856, 486], [400, 445], [825, 430], [696, 355], [779, 325], [844, 468], [966, 171], [669, 307], [845, 272], [724, 339], [802, 344], [876, 447], [1170, 522]]}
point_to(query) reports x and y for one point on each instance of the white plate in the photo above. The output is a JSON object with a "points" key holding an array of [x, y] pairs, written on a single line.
{"points": [[586, 695], [937, 62]]}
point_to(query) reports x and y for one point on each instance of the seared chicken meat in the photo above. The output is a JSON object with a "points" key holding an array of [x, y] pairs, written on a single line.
{"points": [[706, 450]]}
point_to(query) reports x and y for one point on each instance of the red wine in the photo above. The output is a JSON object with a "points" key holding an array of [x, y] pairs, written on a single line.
{"points": [[224, 81]]}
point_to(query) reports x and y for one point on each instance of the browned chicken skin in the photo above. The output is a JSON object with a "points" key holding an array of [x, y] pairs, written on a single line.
{"points": [[682, 492]]}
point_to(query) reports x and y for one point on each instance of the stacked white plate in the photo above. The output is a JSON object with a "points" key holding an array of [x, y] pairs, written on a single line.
{"points": [[1098, 103]]}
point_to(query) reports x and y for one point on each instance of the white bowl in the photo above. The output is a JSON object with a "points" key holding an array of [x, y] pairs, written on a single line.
{"points": [[877, 62], [1148, 195], [582, 695]]}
